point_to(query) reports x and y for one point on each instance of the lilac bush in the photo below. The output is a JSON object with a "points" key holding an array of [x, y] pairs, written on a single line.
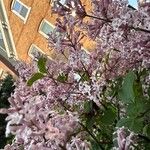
{"points": [[87, 100]]}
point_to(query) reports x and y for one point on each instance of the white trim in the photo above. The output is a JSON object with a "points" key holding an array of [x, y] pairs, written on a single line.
{"points": [[5, 40], [1, 71], [3, 49], [29, 51], [33, 45], [16, 13], [9, 31], [40, 31], [3, 74], [83, 48]]}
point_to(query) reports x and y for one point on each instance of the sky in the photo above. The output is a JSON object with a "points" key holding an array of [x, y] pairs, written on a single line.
{"points": [[133, 3]]}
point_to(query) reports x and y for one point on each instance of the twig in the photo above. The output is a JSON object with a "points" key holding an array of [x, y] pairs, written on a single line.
{"points": [[93, 136], [102, 19]]}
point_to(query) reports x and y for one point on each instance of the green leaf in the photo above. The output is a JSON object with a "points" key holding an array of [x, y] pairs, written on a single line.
{"points": [[42, 65], [84, 76], [88, 106], [94, 145], [34, 78], [146, 130], [62, 77], [148, 91], [134, 124], [109, 116], [90, 122], [143, 73], [126, 93], [134, 109], [138, 90]]}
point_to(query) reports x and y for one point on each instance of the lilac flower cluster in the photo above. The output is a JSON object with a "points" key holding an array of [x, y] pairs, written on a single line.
{"points": [[43, 116], [125, 139], [37, 117], [122, 34]]}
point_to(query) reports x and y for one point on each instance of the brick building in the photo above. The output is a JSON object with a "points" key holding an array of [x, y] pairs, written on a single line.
{"points": [[24, 25]]}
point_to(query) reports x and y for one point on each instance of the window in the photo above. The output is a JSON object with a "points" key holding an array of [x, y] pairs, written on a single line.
{"points": [[54, 3], [20, 9], [62, 1], [34, 51], [2, 45], [45, 28], [3, 74], [6, 38], [133, 4]]}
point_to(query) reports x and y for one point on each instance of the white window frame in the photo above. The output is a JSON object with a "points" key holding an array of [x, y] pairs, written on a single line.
{"points": [[33, 45], [3, 74], [16, 13], [83, 48], [40, 31], [4, 40], [4, 24], [1, 71], [61, 1]]}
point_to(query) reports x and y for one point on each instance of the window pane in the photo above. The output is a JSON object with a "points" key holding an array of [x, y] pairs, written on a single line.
{"points": [[17, 6], [133, 3], [2, 41], [33, 51], [23, 11], [62, 1], [46, 28]]}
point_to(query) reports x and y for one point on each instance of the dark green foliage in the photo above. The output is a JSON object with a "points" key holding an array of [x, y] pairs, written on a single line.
{"points": [[95, 146], [122, 103], [34, 78], [126, 93], [146, 130], [88, 106], [109, 116], [41, 73], [84, 76], [132, 123], [99, 122], [6, 88], [62, 77], [137, 106], [42, 65], [102, 122]]}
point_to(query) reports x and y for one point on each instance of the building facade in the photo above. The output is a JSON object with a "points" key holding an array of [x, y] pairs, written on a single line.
{"points": [[24, 25]]}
